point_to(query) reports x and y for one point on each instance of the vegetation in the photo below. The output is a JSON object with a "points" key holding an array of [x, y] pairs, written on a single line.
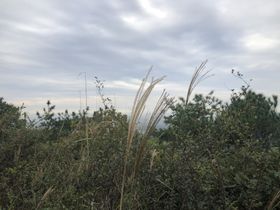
{"points": [[211, 155]]}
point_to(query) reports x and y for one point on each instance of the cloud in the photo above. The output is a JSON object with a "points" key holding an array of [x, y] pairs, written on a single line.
{"points": [[44, 44], [258, 42]]}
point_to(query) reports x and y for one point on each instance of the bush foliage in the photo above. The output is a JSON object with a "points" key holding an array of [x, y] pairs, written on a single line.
{"points": [[210, 155]]}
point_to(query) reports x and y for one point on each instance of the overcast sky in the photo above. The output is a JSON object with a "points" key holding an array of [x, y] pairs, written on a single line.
{"points": [[45, 44]]}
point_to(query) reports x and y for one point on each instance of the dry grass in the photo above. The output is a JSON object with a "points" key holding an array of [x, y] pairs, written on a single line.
{"points": [[137, 110], [274, 202], [164, 102], [198, 76], [161, 107], [46, 194]]}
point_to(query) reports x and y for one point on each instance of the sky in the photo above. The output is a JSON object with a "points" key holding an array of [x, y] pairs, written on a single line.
{"points": [[46, 44]]}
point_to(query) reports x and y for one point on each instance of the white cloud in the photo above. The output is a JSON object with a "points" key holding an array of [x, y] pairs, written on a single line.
{"points": [[153, 10], [259, 42], [153, 18], [45, 44], [122, 85]]}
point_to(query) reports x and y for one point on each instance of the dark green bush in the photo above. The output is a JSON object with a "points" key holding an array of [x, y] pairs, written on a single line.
{"points": [[211, 155]]}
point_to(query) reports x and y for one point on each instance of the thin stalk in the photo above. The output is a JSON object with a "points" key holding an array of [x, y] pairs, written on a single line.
{"points": [[197, 78], [140, 100], [161, 107]]}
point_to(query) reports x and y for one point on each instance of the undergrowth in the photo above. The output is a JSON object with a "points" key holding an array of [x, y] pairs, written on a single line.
{"points": [[211, 155]]}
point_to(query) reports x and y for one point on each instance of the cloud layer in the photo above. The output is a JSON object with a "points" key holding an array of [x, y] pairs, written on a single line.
{"points": [[44, 45]]}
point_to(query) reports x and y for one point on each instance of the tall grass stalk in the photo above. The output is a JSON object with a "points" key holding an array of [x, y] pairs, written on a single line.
{"points": [[46, 194], [138, 107], [198, 76], [274, 202], [161, 107]]}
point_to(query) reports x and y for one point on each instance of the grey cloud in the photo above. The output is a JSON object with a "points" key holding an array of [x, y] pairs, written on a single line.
{"points": [[59, 39]]}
